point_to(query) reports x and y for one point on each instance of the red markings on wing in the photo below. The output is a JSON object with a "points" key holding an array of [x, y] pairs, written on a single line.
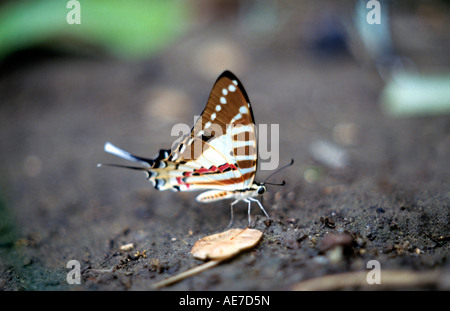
{"points": [[181, 182], [203, 170], [213, 169], [227, 166]]}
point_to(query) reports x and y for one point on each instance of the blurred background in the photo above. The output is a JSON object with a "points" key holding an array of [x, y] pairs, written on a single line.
{"points": [[363, 109]]}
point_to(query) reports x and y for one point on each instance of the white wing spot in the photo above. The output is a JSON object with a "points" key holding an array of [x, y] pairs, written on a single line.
{"points": [[243, 110], [224, 92], [223, 100], [201, 133], [207, 125], [235, 82], [232, 88], [236, 117], [218, 108], [213, 116]]}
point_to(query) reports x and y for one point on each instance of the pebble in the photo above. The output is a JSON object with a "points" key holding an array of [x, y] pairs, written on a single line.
{"points": [[329, 154], [127, 247], [333, 240]]}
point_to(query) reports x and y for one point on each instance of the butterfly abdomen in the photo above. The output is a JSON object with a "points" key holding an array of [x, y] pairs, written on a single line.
{"points": [[214, 195]]}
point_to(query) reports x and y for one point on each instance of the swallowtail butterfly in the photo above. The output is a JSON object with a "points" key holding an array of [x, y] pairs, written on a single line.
{"points": [[219, 155]]}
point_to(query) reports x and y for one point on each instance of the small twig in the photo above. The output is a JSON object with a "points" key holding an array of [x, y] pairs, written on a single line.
{"points": [[112, 269], [186, 274], [389, 278]]}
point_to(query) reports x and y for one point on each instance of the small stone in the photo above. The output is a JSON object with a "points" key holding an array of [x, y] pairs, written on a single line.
{"points": [[127, 247], [330, 241]]}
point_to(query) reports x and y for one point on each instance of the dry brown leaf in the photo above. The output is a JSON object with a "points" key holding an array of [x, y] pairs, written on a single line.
{"points": [[216, 247], [226, 244]]}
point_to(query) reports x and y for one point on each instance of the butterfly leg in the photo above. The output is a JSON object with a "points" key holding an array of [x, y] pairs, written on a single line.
{"points": [[260, 206], [249, 207], [232, 214]]}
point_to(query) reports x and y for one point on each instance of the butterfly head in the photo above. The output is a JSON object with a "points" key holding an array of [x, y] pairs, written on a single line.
{"points": [[258, 188]]}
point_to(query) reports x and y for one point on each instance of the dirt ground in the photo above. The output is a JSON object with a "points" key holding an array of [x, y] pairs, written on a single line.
{"points": [[389, 202]]}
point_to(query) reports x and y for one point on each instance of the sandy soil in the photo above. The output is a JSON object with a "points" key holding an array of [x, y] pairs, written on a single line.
{"points": [[389, 203]]}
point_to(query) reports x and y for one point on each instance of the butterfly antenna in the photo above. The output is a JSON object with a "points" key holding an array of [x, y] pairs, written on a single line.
{"points": [[277, 171], [272, 184]]}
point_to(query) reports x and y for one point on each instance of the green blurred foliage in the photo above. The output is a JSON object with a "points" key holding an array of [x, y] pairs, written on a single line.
{"points": [[408, 95], [129, 29]]}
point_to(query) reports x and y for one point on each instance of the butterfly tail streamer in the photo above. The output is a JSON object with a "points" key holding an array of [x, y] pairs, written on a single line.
{"points": [[160, 172], [110, 148]]}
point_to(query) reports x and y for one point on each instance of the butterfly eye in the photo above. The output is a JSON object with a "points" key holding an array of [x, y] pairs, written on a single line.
{"points": [[261, 190]]}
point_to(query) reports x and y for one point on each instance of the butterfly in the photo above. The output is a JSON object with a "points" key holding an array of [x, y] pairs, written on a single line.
{"points": [[219, 155]]}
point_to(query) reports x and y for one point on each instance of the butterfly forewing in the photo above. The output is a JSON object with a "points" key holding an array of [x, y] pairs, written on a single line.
{"points": [[221, 147]]}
